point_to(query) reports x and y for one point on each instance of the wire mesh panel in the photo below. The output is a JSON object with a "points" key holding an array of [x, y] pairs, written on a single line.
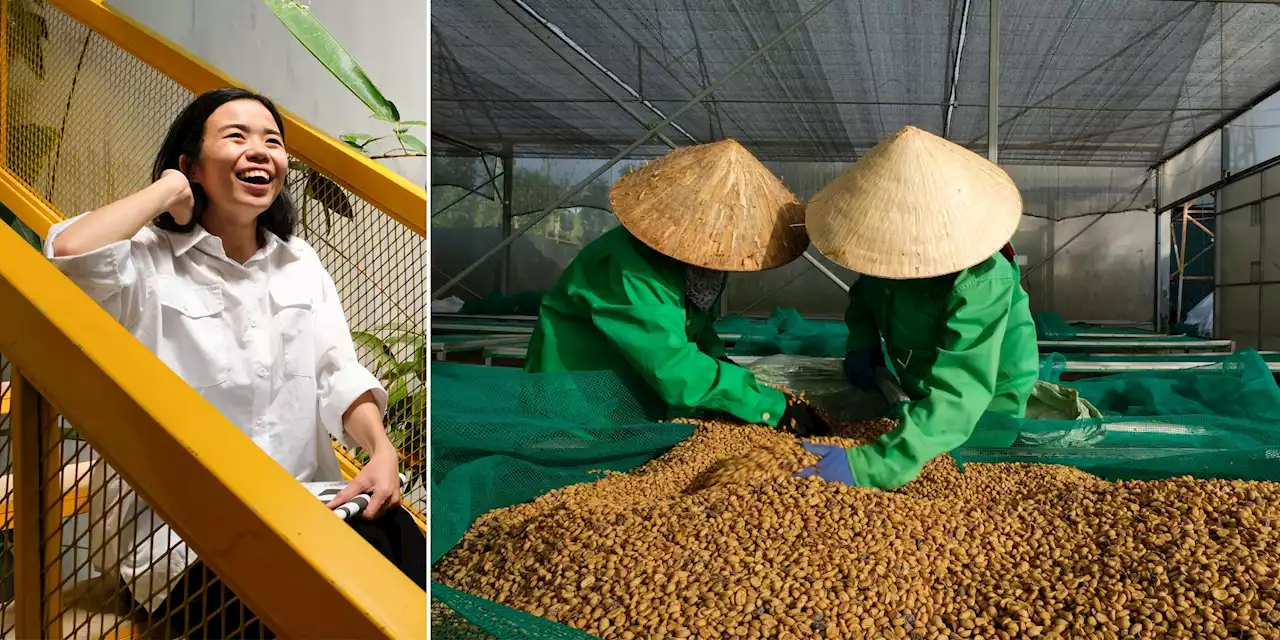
{"points": [[110, 562], [84, 120], [7, 615]]}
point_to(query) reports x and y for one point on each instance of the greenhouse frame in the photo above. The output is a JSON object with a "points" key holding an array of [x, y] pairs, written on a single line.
{"points": [[1110, 115]]}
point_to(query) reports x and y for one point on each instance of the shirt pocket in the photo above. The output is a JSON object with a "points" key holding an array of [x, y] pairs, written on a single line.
{"points": [[293, 315], [195, 338]]}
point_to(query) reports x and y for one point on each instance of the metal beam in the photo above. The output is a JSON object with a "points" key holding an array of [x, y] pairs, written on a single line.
{"points": [[1084, 74], [993, 82], [508, 189], [559, 33], [955, 71], [832, 102], [1222, 122], [450, 140], [586, 76], [1272, 2], [473, 190], [824, 270], [1063, 246], [634, 94], [738, 68]]}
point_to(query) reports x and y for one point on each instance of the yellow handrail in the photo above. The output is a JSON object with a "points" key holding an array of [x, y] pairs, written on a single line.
{"points": [[373, 182], [296, 565]]}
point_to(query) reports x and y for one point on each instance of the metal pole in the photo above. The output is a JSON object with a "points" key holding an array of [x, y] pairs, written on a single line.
{"points": [[1182, 263], [1133, 42], [586, 76], [563, 37], [955, 71], [993, 82], [508, 188], [634, 94], [746, 62], [1155, 311], [1064, 246], [825, 271], [474, 190]]}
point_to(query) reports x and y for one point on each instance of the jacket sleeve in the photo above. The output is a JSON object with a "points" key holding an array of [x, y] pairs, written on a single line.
{"points": [[708, 339], [961, 384], [645, 319], [862, 324]]}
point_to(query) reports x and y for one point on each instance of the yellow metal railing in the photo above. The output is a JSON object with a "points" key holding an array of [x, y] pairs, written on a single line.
{"points": [[89, 95], [270, 540]]}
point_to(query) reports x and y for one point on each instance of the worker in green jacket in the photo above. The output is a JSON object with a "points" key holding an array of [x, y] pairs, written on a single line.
{"points": [[641, 300], [927, 225]]}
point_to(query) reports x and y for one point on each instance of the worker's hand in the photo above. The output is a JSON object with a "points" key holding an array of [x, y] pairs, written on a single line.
{"points": [[833, 466], [800, 419], [380, 478], [860, 366]]}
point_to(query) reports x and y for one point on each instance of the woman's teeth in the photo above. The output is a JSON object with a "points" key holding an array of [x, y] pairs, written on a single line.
{"points": [[255, 176]]}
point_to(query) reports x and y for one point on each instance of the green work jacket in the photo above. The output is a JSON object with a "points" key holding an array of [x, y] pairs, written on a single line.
{"points": [[620, 306], [960, 345]]}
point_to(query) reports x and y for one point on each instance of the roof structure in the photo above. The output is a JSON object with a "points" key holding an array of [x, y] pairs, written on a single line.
{"points": [[1109, 83]]}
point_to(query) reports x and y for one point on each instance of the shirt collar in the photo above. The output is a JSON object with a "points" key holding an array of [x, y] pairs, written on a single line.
{"points": [[184, 242]]}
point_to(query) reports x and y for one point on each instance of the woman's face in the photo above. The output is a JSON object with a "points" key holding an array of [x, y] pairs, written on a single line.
{"points": [[242, 162]]}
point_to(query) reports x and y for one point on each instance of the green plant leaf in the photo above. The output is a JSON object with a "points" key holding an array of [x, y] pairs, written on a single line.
{"points": [[29, 32], [29, 147], [359, 140], [412, 143], [418, 123], [26, 233], [330, 196], [316, 38], [386, 360], [398, 391]]}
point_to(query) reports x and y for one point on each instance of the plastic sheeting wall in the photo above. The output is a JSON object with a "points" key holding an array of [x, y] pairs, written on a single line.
{"points": [[1108, 273], [1248, 274]]}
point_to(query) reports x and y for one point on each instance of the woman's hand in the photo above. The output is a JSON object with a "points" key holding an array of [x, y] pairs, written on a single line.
{"points": [[122, 219], [181, 200], [381, 479]]}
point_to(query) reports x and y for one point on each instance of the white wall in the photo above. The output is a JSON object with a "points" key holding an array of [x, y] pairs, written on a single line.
{"points": [[246, 41]]}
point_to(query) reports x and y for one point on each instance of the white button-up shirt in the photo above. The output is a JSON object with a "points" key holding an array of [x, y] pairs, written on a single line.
{"points": [[265, 342]]}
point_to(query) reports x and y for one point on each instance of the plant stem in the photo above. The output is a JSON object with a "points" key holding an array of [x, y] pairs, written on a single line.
{"points": [[62, 131], [382, 156]]}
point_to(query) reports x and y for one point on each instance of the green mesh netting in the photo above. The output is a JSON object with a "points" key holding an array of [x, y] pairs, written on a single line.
{"points": [[786, 332], [501, 437], [525, 303], [1051, 326], [1053, 365], [1206, 359], [1233, 405]]}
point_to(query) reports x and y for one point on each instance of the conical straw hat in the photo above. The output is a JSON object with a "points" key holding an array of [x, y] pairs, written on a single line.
{"points": [[714, 206], [916, 206]]}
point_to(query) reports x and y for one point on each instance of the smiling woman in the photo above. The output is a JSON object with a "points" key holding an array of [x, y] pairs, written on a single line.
{"points": [[203, 267]]}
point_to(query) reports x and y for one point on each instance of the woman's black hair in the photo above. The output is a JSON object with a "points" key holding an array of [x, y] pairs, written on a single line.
{"points": [[186, 137]]}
